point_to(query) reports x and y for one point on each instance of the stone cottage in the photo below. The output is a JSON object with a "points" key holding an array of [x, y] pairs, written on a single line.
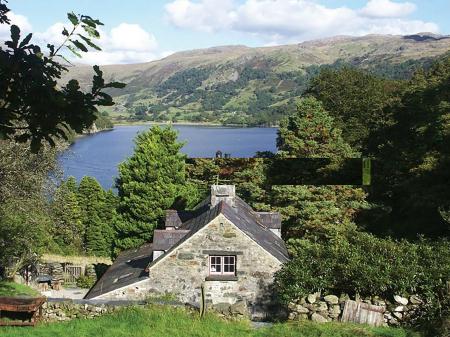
{"points": [[223, 244]]}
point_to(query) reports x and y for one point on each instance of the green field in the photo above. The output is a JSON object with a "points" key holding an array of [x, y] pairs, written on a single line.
{"points": [[14, 289], [162, 321]]}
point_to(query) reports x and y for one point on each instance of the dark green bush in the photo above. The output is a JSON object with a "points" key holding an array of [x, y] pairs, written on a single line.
{"points": [[367, 265]]}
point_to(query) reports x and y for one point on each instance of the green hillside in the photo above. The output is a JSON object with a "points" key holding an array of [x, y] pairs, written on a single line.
{"points": [[252, 86]]}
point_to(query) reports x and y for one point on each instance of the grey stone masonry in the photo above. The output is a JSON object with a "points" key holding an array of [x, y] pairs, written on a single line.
{"points": [[182, 271]]}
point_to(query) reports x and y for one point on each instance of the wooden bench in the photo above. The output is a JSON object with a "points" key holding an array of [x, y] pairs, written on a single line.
{"points": [[23, 311]]}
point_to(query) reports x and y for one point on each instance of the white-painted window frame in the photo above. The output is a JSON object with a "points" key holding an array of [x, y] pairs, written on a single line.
{"points": [[213, 262]]}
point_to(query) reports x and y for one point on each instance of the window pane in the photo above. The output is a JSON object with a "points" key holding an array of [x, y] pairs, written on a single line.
{"points": [[215, 264]]}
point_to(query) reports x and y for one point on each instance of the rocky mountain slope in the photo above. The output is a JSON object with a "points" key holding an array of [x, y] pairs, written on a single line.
{"points": [[238, 84]]}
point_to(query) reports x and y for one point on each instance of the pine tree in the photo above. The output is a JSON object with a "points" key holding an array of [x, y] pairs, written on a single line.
{"points": [[97, 223], [311, 133], [150, 181], [67, 219], [315, 211]]}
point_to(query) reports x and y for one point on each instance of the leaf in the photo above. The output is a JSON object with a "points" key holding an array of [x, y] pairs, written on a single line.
{"points": [[74, 51], [89, 42], [91, 31], [79, 45], [15, 35], [97, 70], [51, 48], [26, 40], [90, 21], [73, 18], [65, 32]]}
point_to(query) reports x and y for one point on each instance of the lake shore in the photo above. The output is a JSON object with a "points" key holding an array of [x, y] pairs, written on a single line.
{"points": [[187, 123]]}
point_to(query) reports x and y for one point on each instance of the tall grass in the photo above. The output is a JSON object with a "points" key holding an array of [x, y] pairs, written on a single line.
{"points": [[160, 321]]}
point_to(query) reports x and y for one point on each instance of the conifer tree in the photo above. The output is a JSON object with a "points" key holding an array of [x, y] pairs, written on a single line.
{"points": [[150, 181], [97, 216], [315, 211], [67, 219], [311, 133]]}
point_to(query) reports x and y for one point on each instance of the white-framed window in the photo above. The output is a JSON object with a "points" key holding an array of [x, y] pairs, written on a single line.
{"points": [[222, 265]]}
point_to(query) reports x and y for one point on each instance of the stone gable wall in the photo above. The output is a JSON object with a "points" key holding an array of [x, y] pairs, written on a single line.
{"points": [[184, 270]]}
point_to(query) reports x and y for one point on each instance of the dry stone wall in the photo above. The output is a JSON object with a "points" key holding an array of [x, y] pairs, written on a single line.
{"points": [[398, 311], [68, 310]]}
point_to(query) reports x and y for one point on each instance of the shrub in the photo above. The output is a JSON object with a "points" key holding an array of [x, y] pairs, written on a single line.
{"points": [[367, 265], [85, 282]]}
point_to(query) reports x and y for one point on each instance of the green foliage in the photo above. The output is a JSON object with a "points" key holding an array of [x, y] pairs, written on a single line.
{"points": [[356, 99], [150, 181], [414, 157], [85, 282], [364, 264], [98, 215], [68, 227], [24, 211], [314, 211], [311, 133], [34, 109], [156, 321], [83, 218], [318, 211]]}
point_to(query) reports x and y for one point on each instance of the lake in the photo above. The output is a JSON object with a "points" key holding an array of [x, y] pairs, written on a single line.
{"points": [[98, 155]]}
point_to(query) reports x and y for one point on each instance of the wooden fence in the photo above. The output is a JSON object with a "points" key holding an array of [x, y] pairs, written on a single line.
{"points": [[359, 312]]}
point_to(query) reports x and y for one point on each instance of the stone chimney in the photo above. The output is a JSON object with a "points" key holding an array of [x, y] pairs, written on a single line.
{"points": [[173, 220], [224, 193]]}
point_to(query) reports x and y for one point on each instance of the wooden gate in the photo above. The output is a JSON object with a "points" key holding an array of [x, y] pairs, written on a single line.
{"points": [[359, 312], [72, 273]]}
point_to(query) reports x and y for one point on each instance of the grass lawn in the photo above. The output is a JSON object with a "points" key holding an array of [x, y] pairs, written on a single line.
{"points": [[14, 289], [159, 321]]}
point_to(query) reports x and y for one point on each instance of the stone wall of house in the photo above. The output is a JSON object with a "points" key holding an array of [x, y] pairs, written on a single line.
{"points": [[329, 308], [185, 269]]}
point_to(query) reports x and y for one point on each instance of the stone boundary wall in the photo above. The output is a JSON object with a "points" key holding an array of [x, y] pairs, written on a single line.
{"points": [[314, 307], [66, 309]]}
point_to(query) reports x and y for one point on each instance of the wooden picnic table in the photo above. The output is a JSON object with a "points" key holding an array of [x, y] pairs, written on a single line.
{"points": [[26, 310]]}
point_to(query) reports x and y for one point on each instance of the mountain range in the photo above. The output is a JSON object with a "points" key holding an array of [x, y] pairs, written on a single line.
{"points": [[253, 86]]}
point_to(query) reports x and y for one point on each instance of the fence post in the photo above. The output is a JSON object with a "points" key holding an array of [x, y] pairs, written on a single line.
{"points": [[202, 301]]}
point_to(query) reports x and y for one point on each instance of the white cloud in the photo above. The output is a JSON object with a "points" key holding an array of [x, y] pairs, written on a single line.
{"points": [[130, 37], [16, 19], [125, 43], [286, 21], [387, 9], [207, 15]]}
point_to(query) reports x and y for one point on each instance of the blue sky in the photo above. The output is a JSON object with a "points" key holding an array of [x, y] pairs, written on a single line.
{"points": [[142, 30]]}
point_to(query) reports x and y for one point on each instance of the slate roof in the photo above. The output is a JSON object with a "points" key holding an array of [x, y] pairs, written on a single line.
{"points": [[270, 219], [241, 215], [248, 221], [128, 268], [165, 239]]}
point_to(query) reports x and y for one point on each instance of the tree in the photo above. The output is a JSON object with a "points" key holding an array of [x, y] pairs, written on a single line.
{"points": [[356, 99], [97, 216], [311, 133], [413, 155], [315, 211], [24, 211], [68, 228], [34, 107], [150, 181]]}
